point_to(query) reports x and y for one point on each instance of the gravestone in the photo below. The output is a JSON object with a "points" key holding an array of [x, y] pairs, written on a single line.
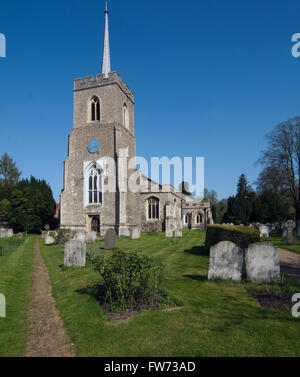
{"points": [[80, 236], [91, 237], [287, 233], [136, 234], [49, 240], [264, 231], [110, 239], [226, 261], [44, 234], [178, 233], [9, 233], [3, 233], [169, 233], [262, 263], [75, 254]]}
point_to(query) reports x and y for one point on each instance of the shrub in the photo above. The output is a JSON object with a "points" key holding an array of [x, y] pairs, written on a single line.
{"points": [[240, 235], [131, 281], [62, 236]]}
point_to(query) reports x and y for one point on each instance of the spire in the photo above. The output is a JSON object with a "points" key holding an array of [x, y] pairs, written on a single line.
{"points": [[106, 53]]}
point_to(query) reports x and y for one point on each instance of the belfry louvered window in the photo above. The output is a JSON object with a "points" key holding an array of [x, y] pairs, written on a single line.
{"points": [[153, 209], [95, 109], [95, 186]]}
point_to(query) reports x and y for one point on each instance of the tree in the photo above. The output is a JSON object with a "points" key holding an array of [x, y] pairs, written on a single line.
{"points": [[283, 156], [21, 216], [8, 171], [4, 212], [271, 178], [211, 196], [240, 207], [185, 188], [270, 208]]}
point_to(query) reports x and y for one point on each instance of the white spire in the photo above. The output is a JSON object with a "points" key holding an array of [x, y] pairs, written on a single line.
{"points": [[106, 69]]}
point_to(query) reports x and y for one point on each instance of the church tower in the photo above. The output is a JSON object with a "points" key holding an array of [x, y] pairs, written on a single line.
{"points": [[101, 143]]}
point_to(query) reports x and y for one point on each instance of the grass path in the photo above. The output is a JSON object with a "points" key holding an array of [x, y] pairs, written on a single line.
{"points": [[15, 283], [48, 337]]}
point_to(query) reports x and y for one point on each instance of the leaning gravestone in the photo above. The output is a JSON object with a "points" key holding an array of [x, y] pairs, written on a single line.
{"points": [[110, 239], [226, 262], [91, 237], [136, 234], [75, 254], [262, 263]]}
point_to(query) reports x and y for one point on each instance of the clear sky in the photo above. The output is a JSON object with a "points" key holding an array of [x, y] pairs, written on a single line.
{"points": [[210, 78]]}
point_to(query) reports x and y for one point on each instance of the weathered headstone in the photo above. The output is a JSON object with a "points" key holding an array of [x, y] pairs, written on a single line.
{"points": [[80, 236], [44, 233], [49, 240], [91, 237], [136, 234], [9, 233], [169, 233], [264, 231], [3, 233], [226, 261], [289, 227], [262, 263], [178, 233], [110, 239], [75, 254]]}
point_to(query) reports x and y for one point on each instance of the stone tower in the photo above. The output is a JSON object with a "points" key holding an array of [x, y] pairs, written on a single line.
{"points": [[95, 195]]}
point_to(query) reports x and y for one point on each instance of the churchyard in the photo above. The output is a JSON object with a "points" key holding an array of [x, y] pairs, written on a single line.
{"points": [[210, 318]]}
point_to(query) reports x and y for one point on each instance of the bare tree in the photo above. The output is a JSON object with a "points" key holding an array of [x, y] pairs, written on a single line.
{"points": [[282, 158]]}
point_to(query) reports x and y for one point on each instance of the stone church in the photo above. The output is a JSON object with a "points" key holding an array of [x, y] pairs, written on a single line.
{"points": [[104, 131]]}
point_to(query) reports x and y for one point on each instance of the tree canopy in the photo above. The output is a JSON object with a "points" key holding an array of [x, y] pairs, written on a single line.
{"points": [[25, 205]]}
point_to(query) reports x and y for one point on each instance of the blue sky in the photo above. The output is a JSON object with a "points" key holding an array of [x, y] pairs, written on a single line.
{"points": [[210, 78]]}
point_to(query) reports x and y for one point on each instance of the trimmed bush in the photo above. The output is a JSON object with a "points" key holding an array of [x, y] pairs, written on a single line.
{"points": [[240, 235]]}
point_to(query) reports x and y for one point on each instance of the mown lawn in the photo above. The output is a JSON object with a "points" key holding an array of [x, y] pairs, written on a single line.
{"points": [[15, 283], [277, 240], [216, 318]]}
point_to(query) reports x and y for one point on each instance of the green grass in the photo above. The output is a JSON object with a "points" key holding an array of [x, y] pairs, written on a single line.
{"points": [[216, 318], [277, 240], [15, 283]]}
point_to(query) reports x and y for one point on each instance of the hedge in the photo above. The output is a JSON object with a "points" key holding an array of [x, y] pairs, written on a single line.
{"points": [[240, 235]]}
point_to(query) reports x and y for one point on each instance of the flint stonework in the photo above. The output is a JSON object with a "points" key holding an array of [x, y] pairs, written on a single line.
{"points": [[226, 262]]}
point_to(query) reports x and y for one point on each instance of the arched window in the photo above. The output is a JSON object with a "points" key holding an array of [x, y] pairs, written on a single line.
{"points": [[95, 186], [153, 209], [95, 109], [198, 218], [125, 117]]}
